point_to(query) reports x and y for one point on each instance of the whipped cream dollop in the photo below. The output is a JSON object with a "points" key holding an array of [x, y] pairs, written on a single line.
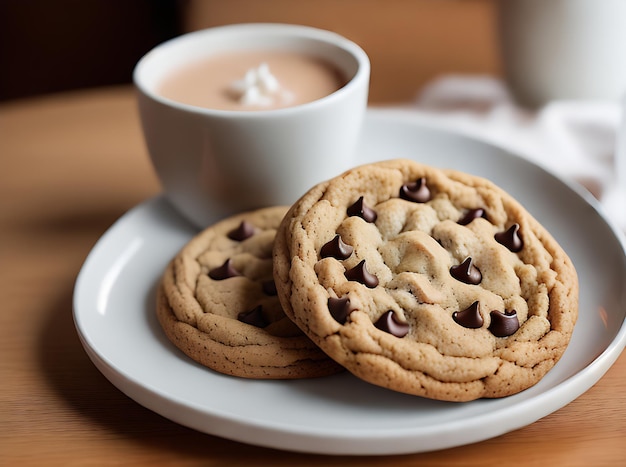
{"points": [[259, 88]]}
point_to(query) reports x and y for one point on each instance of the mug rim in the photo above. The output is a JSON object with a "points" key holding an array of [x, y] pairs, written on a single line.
{"points": [[360, 77]]}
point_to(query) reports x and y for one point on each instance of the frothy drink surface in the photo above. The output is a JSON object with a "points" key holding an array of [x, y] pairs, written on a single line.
{"points": [[215, 82]]}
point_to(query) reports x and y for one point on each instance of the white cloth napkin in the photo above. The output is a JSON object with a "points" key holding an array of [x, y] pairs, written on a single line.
{"points": [[575, 139]]}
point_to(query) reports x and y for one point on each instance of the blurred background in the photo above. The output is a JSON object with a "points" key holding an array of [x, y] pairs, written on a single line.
{"points": [[57, 45]]}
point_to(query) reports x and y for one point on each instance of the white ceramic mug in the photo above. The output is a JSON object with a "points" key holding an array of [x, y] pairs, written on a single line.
{"points": [[212, 163], [563, 49]]}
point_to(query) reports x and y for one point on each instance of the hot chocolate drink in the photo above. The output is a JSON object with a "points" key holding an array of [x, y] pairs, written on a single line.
{"points": [[252, 80]]}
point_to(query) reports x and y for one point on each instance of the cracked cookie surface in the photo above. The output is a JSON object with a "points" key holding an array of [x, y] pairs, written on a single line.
{"points": [[426, 281], [217, 303]]}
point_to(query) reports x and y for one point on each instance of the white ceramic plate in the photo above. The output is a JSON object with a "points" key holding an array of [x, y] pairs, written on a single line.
{"points": [[114, 315]]}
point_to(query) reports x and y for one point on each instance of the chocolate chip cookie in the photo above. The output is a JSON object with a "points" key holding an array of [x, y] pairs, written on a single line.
{"points": [[217, 303], [426, 281]]}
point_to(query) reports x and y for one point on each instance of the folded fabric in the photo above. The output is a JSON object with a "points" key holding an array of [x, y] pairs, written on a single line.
{"points": [[575, 139]]}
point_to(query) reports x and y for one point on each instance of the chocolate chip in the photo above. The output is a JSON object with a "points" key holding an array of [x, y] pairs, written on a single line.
{"points": [[336, 248], [245, 230], [503, 324], [224, 271], [417, 191], [466, 272], [269, 287], [510, 238], [254, 317], [360, 209], [471, 215], [390, 323], [470, 317], [359, 273], [339, 309]]}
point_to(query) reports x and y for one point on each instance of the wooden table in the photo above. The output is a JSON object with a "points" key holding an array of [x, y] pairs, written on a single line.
{"points": [[71, 164]]}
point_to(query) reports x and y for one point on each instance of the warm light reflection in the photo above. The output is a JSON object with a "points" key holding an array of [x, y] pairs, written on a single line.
{"points": [[604, 316]]}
